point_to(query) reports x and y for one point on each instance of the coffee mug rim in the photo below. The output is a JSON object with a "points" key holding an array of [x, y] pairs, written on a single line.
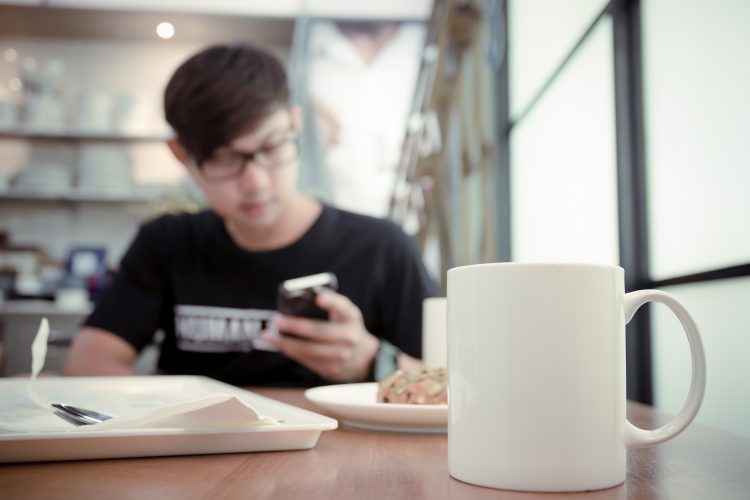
{"points": [[538, 265]]}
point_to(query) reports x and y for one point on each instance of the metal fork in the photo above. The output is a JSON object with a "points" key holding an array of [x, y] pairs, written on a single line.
{"points": [[79, 416]]}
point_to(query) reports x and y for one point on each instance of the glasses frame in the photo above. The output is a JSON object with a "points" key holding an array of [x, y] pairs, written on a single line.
{"points": [[247, 157]]}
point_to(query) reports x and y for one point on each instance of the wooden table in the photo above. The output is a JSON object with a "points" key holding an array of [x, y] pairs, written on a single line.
{"points": [[701, 463]]}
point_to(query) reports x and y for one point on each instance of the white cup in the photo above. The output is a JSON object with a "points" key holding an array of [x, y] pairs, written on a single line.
{"points": [[536, 373], [44, 112], [8, 114], [94, 112], [71, 298], [434, 332]]}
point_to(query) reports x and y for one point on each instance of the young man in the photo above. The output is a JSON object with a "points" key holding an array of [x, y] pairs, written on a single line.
{"points": [[209, 280]]}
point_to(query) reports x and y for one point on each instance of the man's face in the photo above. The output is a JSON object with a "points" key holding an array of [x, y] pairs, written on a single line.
{"points": [[257, 196]]}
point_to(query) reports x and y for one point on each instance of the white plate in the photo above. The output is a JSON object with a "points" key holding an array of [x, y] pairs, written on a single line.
{"points": [[356, 405], [53, 440]]}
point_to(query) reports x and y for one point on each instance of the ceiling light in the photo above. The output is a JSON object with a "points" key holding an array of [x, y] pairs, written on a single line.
{"points": [[165, 30], [10, 55], [29, 64], [15, 84]]}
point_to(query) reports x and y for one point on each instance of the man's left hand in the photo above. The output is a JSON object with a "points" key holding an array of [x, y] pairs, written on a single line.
{"points": [[340, 349]]}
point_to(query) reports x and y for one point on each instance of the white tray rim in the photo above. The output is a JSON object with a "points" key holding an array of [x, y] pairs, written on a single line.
{"points": [[82, 445]]}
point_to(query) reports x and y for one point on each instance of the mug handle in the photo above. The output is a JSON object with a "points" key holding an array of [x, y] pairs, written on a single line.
{"points": [[635, 436]]}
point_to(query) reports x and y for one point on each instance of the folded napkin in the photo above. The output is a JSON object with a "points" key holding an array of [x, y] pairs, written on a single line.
{"points": [[38, 355], [215, 411], [207, 411]]}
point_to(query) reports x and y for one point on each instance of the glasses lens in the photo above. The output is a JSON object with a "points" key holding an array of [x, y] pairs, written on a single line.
{"points": [[223, 166], [277, 155]]}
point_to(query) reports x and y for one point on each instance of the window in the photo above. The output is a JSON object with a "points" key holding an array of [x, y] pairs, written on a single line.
{"points": [[628, 126], [696, 107]]}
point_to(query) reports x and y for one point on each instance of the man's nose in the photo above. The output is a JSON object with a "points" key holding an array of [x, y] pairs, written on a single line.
{"points": [[253, 177]]}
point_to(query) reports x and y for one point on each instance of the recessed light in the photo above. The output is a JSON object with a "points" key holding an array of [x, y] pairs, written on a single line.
{"points": [[10, 55], [165, 30], [15, 84], [29, 64]]}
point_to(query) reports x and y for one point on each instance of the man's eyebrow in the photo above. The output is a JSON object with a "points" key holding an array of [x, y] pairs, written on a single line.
{"points": [[281, 131], [274, 135], [271, 135]]}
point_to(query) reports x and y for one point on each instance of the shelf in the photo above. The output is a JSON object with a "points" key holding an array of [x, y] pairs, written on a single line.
{"points": [[64, 135], [204, 27], [82, 197], [42, 307]]}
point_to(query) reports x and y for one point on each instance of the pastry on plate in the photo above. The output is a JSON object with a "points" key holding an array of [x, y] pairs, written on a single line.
{"points": [[427, 386]]}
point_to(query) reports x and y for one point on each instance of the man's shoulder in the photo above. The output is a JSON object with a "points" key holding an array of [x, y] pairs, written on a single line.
{"points": [[181, 221], [179, 229], [176, 234], [353, 222]]}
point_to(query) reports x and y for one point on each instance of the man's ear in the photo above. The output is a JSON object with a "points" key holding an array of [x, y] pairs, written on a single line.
{"points": [[179, 152]]}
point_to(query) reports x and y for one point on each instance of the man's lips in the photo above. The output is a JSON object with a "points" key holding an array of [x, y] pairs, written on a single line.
{"points": [[254, 207]]}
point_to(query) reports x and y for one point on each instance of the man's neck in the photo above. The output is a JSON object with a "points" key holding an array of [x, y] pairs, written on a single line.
{"points": [[297, 220]]}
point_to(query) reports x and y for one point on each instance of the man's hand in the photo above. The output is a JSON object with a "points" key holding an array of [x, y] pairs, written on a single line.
{"points": [[340, 349]]}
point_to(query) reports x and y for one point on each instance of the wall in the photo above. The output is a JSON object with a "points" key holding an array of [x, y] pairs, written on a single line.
{"points": [[119, 68]]}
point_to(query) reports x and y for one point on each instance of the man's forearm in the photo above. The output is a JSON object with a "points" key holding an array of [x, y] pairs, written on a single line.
{"points": [[94, 367], [99, 352]]}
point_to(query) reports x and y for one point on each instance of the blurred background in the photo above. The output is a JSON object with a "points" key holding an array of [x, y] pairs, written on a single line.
{"points": [[490, 130]]}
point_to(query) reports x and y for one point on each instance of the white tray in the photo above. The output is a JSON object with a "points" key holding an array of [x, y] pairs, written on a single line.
{"points": [[53, 440]]}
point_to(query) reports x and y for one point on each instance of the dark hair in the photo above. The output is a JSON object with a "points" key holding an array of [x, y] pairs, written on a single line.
{"points": [[222, 92]]}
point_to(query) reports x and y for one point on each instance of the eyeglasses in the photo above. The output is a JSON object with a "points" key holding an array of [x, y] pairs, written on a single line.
{"points": [[229, 164]]}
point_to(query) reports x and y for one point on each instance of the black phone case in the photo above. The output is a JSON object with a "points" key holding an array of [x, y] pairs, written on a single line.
{"points": [[302, 302]]}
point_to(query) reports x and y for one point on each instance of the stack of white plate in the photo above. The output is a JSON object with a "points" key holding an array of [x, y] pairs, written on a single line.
{"points": [[44, 113], [135, 113], [4, 181], [44, 178], [104, 169], [94, 112]]}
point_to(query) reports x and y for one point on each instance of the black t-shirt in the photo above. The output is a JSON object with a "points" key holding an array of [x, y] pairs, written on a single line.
{"points": [[183, 274]]}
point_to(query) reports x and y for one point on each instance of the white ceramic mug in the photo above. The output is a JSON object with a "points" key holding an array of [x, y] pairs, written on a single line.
{"points": [[434, 332], [536, 370]]}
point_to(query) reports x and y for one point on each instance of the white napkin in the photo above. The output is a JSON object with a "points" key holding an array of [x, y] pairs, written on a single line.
{"points": [[38, 355], [209, 411], [215, 411]]}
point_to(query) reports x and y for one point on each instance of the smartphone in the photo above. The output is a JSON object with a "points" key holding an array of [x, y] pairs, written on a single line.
{"points": [[296, 297]]}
